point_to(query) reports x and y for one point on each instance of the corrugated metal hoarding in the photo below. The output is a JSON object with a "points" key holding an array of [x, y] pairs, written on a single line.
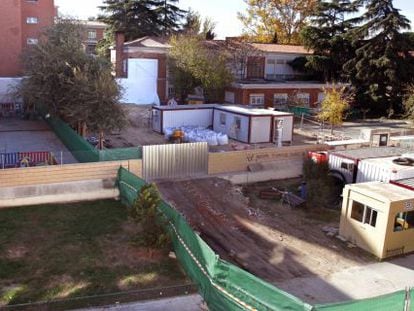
{"points": [[175, 161]]}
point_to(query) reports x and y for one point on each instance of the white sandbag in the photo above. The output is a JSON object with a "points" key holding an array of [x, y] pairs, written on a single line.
{"points": [[212, 140], [222, 139], [168, 131]]}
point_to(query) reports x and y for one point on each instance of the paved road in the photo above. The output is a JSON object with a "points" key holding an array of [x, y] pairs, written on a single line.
{"points": [[353, 129], [184, 303], [355, 283]]}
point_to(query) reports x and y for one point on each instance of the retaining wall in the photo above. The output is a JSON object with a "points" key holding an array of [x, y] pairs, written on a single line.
{"points": [[66, 173], [239, 161], [75, 191]]}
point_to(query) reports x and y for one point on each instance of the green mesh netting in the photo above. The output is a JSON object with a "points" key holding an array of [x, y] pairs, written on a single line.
{"points": [[227, 287], [85, 152], [390, 302], [120, 154], [222, 285], [79, 147]]}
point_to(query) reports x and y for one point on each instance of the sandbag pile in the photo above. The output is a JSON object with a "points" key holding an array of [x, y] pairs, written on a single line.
{"points": [[193, 134]]}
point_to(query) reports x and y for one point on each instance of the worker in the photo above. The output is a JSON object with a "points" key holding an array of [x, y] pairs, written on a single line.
{"points": [[303, 190]]}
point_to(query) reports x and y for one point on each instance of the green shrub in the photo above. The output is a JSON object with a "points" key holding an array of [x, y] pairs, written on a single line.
{"points": [[322, 189], [146, 212]]}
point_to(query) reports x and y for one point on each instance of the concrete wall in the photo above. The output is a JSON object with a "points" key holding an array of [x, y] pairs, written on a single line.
{"points": [[74, 191], [239, 161], [66, 173]]}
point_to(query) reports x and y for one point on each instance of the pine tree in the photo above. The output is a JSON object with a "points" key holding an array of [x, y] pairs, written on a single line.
{"points": [[169, 15], [137, 18], [326, 36], [382, 64], [195, 25], [146, 212]]}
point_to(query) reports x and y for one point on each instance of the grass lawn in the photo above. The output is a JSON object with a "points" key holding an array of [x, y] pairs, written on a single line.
{"points": [[72, 250]]}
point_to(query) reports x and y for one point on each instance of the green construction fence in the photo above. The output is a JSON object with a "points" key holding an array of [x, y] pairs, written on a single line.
{"points": [[84, 151], [222, 285], [77, 145], [226, 287], [392, 302]]}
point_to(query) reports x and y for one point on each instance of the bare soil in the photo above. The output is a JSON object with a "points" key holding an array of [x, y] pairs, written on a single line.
{"points": [[264, 237]]}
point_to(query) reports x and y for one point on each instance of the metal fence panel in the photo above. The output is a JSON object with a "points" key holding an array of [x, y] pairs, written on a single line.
{"points": [[175, 161]]}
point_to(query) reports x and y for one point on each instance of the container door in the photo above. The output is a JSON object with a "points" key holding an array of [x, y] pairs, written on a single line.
{"points": [[278, 132], [383, 140]]}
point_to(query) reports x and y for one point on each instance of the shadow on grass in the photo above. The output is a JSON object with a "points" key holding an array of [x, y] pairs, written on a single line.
{"points": [[63, 251]]}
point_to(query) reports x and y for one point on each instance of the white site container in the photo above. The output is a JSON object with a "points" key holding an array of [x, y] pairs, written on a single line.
{"points": [[382, 169], [345, 164], [181, 115], [253, 126]]}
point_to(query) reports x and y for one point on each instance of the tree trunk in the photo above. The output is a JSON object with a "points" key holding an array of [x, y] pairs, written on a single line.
{"points": [[332, 128], [84, 129], [101, 140]]}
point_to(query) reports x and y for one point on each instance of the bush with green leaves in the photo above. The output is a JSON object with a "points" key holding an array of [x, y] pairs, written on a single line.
{"points": [[69, 83], [322, 189], [146, 212]]}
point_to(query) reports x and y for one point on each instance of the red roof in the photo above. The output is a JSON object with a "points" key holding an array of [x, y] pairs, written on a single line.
{"points": [[281, 48]]}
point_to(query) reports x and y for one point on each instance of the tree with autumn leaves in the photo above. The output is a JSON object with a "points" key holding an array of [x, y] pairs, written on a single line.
{"points": [[276, 21], [334, 106]]}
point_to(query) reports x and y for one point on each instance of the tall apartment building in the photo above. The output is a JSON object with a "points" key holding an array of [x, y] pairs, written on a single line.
{"points": [[21, 22]]}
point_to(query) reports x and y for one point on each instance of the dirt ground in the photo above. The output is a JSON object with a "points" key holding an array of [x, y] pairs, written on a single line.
{"points": [[264, 237]]}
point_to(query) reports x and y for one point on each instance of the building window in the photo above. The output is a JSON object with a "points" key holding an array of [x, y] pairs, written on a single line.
{"points": [[271, 61], [32, 41], [281, 62], [257, 99], [347, 166], [321, 97], [171, 91], [32, 20], [255, 67], [364, 214], [222, 119], [237, 123], [91, 49], [280, 99], [92, 34], [404, 221], [303, 99]]}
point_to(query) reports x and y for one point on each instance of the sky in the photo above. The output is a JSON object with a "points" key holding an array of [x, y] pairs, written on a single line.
{"points": [[223, 12]]}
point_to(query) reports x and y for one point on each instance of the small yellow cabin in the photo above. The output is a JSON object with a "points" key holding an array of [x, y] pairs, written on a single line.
{"points": [[379, 218]]}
